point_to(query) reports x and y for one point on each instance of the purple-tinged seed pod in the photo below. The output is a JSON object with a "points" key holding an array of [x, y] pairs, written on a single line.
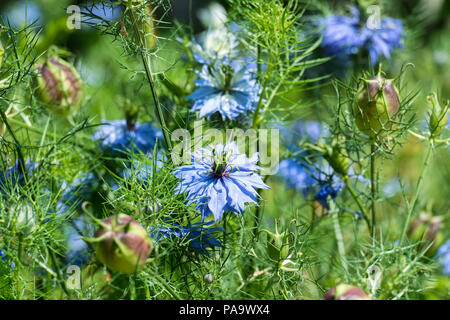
{"points": [[58, 85], [377, 104], [345, 292], [122, 244]]}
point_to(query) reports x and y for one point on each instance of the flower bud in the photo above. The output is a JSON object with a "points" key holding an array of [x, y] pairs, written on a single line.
{"points": [[377, 103], [337, 155], [58, 86], [277, 244], [22, 217], [208, 278], [345, 292], [427, 229], [439, 115], [122, 244]]}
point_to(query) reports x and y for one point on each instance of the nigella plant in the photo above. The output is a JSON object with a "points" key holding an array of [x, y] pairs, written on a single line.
{"points": [[227, 88], [199, 236], [118, 136], [220, 180]]}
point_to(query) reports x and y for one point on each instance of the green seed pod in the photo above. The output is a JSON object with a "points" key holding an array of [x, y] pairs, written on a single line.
{"points": [[377, 104], [439, 115], [345, 292], [58, 86], [427, 229], [122, 244], [277, 244]]}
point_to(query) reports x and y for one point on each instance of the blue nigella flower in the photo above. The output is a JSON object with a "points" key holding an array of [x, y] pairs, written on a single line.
{"points": [[443, 255], [319, 182], [220, 180], [382, 41], [199, 237], [228, 88], [118, 136], [341, 35], [215, 45]]}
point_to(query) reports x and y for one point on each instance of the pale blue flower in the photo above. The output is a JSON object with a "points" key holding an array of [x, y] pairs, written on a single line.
{"points": [[215, 45], [220, 180], [117, 136], [231, 89], [443, 255], [199, 237]]}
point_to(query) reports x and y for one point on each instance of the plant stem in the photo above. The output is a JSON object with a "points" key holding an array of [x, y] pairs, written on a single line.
{"points": [[373, 187], [412, 204], [358, 202], [59, 276], [339, 238], [149, 74]]}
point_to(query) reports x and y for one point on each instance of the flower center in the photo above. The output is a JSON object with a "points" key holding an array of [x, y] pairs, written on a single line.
{"points": [[219, 170]]}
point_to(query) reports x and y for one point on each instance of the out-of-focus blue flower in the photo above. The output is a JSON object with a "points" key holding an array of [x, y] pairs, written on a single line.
{"points": [[14, 175], [228, 88], [199, 237], [77, 249], [16, 13], [307, 130], [341, 35], [443, 255], [79, 191], [141, 170], [220, 180], [319, 181], [116, 137], [382, 41], [103, 11], [344, 36], [4, 257], [214, 45]]}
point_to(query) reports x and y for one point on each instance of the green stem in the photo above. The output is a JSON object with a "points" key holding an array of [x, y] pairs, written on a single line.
{"points": [[149, 74], [166, 285], [373, 187], [358, 202], [339, 237], [22, 166], [412, 204], [59, 276]]}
